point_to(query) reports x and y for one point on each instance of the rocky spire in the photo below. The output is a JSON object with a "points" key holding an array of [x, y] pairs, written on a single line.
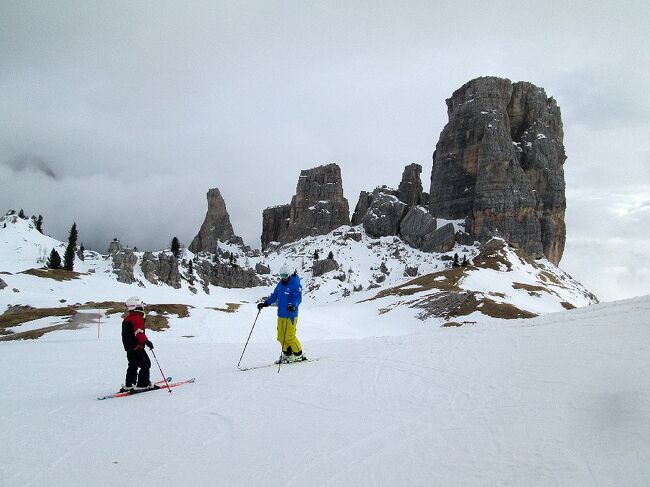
{"points": [[499, 165], [215, 227], [409, 190], [317, 208]]}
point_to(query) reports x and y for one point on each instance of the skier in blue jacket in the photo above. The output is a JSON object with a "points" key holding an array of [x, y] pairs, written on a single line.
{"points": [[288, 294]]}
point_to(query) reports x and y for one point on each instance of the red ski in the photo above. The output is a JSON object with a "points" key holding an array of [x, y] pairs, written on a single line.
{"points": [[160, 386]]}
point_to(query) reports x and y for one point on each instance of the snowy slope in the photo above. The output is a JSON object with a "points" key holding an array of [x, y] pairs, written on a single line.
{"points": [[392, 400], [561, 399]]}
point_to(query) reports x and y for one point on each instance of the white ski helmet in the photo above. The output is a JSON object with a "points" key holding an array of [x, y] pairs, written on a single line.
{"points": [[134, 302], [284, 270]]}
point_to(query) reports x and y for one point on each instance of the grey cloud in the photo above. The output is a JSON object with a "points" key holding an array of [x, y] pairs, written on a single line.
{"points": [[30, 162]]}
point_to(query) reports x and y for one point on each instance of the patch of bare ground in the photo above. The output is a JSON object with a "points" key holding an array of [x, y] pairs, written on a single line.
{"points": [[446, 280], [17, 317], [456, 324], [566, 305], [491, 308], [56, 274], [158, 314], [157, 318], [529, 287], [230, 308], [549, 277], [492, 256], [450, 305]]}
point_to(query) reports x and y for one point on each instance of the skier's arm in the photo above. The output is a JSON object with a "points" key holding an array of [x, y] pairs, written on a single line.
{"points": [[140, 336], [296, 298], [273, 297]]}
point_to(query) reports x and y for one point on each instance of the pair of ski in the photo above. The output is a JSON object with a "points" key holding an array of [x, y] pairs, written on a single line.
{"points": [[160, 385], [255, 367], [163, 385]]}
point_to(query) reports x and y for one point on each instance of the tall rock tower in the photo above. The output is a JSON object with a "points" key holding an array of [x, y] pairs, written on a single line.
{"points": [[499, 165], [317, 208], [216, 225]]}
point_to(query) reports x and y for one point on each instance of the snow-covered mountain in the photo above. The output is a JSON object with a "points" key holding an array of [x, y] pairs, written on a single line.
{"points": [[379, 275]]}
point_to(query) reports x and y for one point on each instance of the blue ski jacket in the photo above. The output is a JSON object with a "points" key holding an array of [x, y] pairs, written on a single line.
{"points": [[285, 294]]}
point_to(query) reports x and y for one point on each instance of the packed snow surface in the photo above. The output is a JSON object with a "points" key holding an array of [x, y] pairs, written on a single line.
{"points": [[562, 399]]}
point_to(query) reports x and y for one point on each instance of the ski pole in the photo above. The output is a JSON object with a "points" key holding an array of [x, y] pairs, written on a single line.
{"points": [[282, 351], [165, 378], [249, 337]]}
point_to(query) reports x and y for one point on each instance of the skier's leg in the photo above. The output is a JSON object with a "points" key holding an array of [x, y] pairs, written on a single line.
{"points": [[282, 336], [131, 370], [145, 365], [292, 341]]}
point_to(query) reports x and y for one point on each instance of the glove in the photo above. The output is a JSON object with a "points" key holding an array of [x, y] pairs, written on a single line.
{"points": [[149, 344], [262, 305], [291, 308]]}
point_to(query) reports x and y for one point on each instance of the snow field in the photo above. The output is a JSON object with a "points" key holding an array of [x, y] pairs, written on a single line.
{"points": [[563, 399]]}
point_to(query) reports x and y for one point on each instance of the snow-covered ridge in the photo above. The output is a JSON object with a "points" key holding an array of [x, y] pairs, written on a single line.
{"points": [[381, 275]]}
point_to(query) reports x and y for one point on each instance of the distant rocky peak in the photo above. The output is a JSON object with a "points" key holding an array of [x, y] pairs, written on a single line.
{"points": [[317, 208], [216, 225]]}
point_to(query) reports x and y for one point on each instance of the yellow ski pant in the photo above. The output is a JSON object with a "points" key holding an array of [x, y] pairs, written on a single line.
{"points": [[287, 335]]}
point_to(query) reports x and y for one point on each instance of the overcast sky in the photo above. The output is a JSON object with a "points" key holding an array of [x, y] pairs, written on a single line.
{"points": [[121, 115]]}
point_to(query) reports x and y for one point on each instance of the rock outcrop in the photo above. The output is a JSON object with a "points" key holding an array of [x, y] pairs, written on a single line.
{"points": [[365, 198], [226, 275], [317, 208], [385, 214], [123, 263], [262, 269], [322, 266], [409, 190], [161, 269], [442, 239], [417, 223], [499, 165], [403, 213], [114, 247], [216, 226]]}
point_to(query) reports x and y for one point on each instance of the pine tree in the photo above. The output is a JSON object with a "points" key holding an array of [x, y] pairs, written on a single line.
{"points": [[68, 256], [455, 264], [176, 247], [39, 223], [330, 255], [191, 268], [315, 254], [464, 263], [54, 261], [21, 214]]}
